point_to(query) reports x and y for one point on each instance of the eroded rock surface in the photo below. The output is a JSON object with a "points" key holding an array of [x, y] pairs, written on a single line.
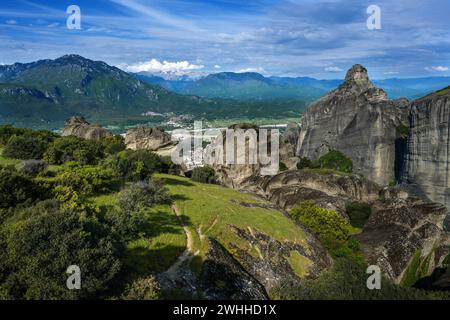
{"points": [[150, 138], [358, 120], [78, 126], [402, 227]]}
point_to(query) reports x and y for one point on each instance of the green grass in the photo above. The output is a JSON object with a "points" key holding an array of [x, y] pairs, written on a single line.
{"points": [[417, 269], [443, 91], [161, 240], [160, 244], [210, 210], [7, 161]]}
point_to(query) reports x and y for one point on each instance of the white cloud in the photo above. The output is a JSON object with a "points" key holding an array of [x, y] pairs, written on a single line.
{"points": [[390, 72], [333, 69], [156, 66], [11, 21], [217, 66], [259, 69], [437, 68]]}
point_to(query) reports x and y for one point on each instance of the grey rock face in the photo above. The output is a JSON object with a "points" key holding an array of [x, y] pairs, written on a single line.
{"points": [[78, 126], [428, 156], [147, 138], [358, 120], [288, 145], [402, 229]]}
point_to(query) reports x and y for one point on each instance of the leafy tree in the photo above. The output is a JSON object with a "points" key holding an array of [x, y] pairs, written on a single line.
{"points": [[204, 174], [72, 148], [170, 167], [41, 242], [135, 165]]}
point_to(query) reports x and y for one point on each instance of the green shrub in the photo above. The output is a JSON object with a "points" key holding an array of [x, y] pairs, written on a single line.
{"points": [[169, 167], [403, 131], [204, 174], [282, 167], [142, 195], [27, 146], [304, 163], [43, 241], [358, 213], [113, 144], [332, 229], [143, 289], [334, 160], [86, 180], [135, 165], [72, 148], [17, 188], [7, 131], [33, 167], [127, 224]]}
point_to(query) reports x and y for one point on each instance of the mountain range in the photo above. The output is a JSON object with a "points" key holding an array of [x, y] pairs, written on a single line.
{"points": [[254, 86], [44, 93]]}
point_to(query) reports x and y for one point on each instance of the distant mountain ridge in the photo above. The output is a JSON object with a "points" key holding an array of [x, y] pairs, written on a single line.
{"points": [[44, 93], [254, 86]]}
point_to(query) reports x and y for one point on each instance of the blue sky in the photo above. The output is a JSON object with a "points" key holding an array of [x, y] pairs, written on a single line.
{"points": [[286, 37]]}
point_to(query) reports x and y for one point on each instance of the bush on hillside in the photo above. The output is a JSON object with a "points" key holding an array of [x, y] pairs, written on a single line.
{"points": [[142, 195], [33, 167], [332, 229], [204, 174], [113, 144], [334, 160], [25, 147], [17, 188], [135, 165], [72, 148], [143, 289], [358, 213]]}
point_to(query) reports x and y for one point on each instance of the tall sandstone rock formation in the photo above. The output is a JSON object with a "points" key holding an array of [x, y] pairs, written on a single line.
{"points": [[427, 165], [358, 120]]}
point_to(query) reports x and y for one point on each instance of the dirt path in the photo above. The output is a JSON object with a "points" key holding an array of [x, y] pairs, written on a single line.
{"points": [[187, 255]]}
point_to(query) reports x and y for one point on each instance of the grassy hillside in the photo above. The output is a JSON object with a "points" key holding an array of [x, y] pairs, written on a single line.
{"points": [[210, 210]]}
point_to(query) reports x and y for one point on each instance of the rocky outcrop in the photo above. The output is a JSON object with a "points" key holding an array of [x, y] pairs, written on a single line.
{"points": [[358, 120], [428, 154], [150, 138], [79, 127], [331, 191], [405, 235]]}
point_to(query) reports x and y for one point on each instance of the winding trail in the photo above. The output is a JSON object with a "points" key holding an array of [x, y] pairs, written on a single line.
{"points": [[187, 255]]}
